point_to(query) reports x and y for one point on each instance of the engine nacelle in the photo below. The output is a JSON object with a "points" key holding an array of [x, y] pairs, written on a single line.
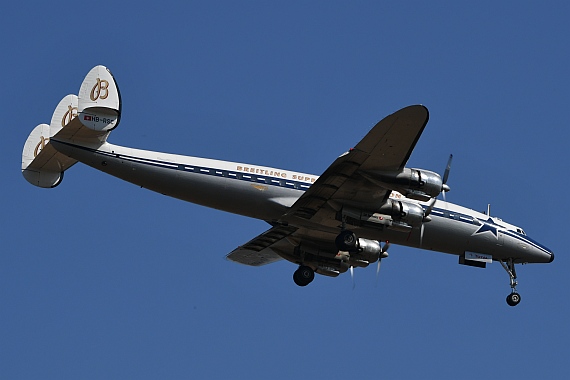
{"points": [[409, 213], [418, 184], [368, 252], [394, 214], [369, 247]]}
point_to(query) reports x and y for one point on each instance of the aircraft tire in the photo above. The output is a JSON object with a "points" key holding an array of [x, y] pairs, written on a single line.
{"points": [[304, 275], [513, 299], [346, 241]]}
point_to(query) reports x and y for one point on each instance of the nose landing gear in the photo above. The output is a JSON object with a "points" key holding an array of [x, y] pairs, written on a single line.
{"points": [[514, 298]]}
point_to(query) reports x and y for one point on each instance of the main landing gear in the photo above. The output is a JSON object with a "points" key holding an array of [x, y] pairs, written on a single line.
{"points": [[514, 298], [304, 275], [346, 241]]}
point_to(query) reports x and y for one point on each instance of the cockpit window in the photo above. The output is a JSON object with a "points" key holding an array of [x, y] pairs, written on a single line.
{"points": [[520, 231]]}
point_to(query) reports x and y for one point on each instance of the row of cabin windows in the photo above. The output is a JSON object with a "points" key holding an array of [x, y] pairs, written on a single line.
{"points": [[282, 182]]}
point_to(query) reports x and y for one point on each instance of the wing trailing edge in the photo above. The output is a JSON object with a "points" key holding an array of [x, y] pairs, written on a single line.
{"points": [[258, 251]]}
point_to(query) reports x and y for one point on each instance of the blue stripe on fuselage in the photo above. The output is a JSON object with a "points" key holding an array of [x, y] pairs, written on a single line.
{"points": [[446, 214], [242, 176], [286, 183]]}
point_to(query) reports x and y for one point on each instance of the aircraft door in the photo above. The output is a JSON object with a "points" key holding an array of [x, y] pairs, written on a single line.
{"points": [[500, 238]]}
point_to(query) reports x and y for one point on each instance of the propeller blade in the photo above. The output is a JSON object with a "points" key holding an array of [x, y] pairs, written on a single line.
{"points": [[444, 189], [352, 276], [378, 270], [430, 207], [384, 251], [445, 202], [447, 169]]}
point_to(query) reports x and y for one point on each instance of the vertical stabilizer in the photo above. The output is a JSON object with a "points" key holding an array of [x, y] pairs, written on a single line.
{"points": [[84, 120], [99, 105]]}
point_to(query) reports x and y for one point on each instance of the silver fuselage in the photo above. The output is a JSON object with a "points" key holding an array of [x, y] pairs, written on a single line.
{"points": [[267, 193]]}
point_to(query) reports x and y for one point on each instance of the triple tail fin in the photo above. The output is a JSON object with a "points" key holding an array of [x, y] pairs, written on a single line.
{"points": [[86, 120]]}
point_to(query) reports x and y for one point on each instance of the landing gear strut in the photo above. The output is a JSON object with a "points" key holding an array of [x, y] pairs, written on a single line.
{"points": [[514, 298], [304, 275]]}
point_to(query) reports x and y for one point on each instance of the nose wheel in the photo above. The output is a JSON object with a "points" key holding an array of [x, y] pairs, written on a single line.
{"points": [[514, 298]]}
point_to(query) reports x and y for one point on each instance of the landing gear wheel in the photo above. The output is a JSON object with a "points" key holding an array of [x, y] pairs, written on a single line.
{"points": [[346, 241], [513, 299], [304, 275]]}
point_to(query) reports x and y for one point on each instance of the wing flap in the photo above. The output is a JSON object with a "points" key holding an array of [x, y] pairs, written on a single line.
{"points": [[328, 184], [258, 251]]}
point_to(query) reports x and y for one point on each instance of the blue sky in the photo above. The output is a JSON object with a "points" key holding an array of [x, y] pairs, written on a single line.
{"points": [[102, 279]]}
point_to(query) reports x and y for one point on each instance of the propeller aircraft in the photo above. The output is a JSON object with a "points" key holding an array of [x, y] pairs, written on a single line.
{"points": [[346, 218]]}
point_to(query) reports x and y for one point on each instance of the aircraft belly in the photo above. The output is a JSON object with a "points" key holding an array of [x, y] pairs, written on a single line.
{"points": [[207, 189], [445, 235], [243, 198]]}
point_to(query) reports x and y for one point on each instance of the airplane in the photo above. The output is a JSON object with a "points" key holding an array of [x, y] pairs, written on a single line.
{"points": [[347, 217]]}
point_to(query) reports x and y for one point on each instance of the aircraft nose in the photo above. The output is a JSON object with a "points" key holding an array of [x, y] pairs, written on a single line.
{"points": [[540, 253]]}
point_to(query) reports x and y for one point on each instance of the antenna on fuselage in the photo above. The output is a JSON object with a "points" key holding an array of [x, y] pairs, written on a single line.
{"points": [[488, 209]]}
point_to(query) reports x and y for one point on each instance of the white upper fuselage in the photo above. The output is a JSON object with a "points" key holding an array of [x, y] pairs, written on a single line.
{"points": [[266, 193]]}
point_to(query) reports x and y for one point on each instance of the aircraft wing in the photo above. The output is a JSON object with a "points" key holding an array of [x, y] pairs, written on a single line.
{"points": [[386, 147]]}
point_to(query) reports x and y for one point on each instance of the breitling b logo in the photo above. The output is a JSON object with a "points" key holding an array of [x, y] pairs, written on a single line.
{"points": [[41, 145], [100, 90], [69, 115]]}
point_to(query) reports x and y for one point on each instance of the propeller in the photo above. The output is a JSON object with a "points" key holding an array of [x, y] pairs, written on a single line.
{"points": [[383, 254], [444, 188], [352, 277]]}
